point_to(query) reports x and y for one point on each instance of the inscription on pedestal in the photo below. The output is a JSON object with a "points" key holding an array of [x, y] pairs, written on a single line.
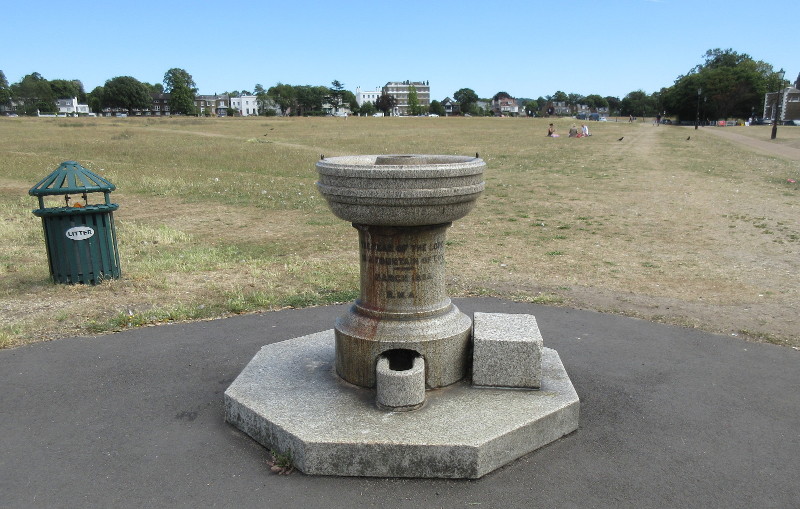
{"points": [[398, 267]]}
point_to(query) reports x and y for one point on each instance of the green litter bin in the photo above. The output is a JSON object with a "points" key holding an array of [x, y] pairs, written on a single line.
{"points": [[80, 237]]}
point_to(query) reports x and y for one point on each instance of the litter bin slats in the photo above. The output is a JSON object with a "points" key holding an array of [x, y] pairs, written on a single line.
{"points": [[81, 240]]}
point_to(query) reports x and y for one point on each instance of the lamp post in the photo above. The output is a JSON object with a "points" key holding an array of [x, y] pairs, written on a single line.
{"points": [[778, 97], [697, 117]]}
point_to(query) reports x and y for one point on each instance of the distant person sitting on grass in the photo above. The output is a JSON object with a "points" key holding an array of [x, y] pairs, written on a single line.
{"points": [[585, 130], [551, 132], [573, 131]]}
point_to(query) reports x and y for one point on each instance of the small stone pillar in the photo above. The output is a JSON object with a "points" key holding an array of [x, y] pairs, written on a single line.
{"points": [[401, 206], [400, 381]]}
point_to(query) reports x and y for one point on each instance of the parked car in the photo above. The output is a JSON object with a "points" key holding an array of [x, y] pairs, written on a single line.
{"points": [[602, 119], [791, 122], [433, 115]]}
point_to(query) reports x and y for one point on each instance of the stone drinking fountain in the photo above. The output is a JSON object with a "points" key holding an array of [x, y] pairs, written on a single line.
{"points": [[405, 385]]}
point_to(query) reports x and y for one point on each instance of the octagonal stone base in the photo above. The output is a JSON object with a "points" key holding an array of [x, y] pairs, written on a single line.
{"points": [[290, 400]]}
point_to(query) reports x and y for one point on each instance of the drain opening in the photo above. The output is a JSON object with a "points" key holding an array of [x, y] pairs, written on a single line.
{"points": [[400, 359]]}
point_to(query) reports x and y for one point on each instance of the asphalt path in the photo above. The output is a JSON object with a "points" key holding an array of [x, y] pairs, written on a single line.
{"points": [[670, 417]]}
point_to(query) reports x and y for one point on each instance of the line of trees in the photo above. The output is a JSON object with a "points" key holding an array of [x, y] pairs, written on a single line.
{"points": [[727, 83], [304, 99]]}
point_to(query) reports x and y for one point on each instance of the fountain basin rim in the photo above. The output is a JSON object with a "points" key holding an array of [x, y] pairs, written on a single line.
{"points": [[427, 166], [390, 193]]}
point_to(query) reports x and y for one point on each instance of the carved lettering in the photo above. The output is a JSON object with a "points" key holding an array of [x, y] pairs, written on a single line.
{"points": [[392, 278], [399, 295]]}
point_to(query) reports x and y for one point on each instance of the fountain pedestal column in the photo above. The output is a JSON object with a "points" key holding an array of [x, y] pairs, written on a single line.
{"points": [[402, 207], [403, 307]]}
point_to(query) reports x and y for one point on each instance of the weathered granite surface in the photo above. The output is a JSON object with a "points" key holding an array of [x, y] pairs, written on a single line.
{"points": [[401, 190], [401, 206], [289, 399], [507, 351], [400, 388]]}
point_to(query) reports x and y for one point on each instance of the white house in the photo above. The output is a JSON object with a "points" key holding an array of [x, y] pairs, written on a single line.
{"points": [[71, 107], [367, 97], [246, 105]]}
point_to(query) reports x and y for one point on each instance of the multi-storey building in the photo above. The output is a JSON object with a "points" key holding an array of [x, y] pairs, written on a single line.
{"points": [[504, 105], [213, 104], [160, 105], [246, 105], [367, 97], [785, 103], [450, 107], [400, 91]]}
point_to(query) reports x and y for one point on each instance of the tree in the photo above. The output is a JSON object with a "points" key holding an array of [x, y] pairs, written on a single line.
{"points": [[386, 103], [5, 91], [574, 100], [336, 93], [638, 104], [414, 107], [594, 101], [349, 98], [466, 99], [182, 90], [64, 89], [310, 99], [155, 88], [436, 108], [95, 100], [34, 94], [263, 100], [531, 107], [367, 108], [730, 85], [613, 104], [127, 93], [284, 96]]}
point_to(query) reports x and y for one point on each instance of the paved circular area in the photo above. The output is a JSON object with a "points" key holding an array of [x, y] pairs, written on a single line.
{"points": [[670, 417]]}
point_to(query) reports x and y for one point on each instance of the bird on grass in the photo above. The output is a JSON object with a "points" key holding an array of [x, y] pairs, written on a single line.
{"points": [[620, 139], [688, 138]]}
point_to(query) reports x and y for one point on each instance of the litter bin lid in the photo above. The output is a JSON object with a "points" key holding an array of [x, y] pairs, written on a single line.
{"points": [[71, 177]]}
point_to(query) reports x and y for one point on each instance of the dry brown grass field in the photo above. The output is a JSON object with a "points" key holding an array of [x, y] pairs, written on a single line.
{"points": [[221, 216]]}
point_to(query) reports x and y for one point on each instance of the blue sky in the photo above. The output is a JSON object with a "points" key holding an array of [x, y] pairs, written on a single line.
{"points": [[525, 48]]}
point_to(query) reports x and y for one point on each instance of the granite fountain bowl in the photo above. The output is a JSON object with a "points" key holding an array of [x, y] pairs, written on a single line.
{"points": [[402, 189]]}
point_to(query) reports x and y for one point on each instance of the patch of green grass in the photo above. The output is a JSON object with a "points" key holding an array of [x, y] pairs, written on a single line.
{"points": [[8, 337], [544, 299], [765, 337], [320, 298], [131, 319]]}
